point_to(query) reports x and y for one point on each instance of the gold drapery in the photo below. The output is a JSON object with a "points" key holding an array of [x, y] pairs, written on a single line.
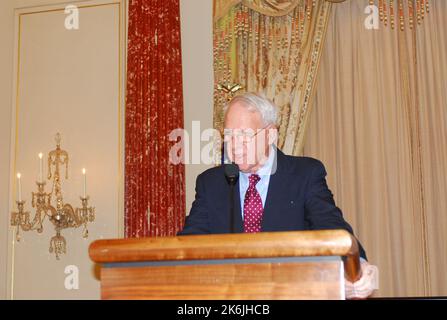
{"points": [[277, 54], [379, 123], [273, 8]]}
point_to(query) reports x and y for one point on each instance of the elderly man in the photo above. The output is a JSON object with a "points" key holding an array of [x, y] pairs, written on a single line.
{"points": [[276, 192]]}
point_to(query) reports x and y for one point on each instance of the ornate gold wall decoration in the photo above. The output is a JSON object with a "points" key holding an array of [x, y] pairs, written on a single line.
{"points": [[62, 215]]}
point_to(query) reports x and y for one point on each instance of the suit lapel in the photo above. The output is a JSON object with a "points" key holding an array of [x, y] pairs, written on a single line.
{"points": [[277, 187]]}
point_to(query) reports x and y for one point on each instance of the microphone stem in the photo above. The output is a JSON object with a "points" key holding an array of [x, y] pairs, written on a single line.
{"points": [[232, 208]]}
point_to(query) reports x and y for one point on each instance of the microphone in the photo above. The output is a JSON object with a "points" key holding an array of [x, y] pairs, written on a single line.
{"points": [[232, 175]]}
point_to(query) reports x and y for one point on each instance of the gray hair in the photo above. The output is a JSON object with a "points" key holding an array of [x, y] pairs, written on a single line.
{"points": [[256, 102]]}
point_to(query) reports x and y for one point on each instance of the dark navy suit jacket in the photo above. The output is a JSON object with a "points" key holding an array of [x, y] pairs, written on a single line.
{"points": [[298, 198]]}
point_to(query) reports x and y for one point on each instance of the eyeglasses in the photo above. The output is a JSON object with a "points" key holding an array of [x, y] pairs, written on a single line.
{"points": [[246, 135]]}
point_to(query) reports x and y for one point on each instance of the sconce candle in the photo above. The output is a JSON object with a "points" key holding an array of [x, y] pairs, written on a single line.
{"points": [[40, 179], [51, 204], [19, 187], [85, 183]]}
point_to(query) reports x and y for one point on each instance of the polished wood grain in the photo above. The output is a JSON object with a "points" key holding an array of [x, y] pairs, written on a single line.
{"points": [[230, 246], [308, 280]]}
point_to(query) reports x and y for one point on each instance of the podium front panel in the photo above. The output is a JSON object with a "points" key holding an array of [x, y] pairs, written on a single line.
{"points": [[222, 279]]}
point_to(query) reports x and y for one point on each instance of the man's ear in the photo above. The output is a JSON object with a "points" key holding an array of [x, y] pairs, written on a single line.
{"points": [[272, 135]]}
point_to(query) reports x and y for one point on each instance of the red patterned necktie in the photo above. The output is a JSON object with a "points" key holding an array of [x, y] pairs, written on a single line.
{"points": [[253, 209]]}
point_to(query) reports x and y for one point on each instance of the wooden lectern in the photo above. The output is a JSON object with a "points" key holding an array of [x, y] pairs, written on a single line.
{"points": [[266, 265]]}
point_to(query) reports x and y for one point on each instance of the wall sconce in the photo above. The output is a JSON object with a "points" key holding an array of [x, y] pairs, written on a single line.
{"points": [[61, 214]]}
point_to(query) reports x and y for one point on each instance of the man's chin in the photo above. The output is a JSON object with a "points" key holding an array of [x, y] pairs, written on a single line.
{"points": [[244, 167]]}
